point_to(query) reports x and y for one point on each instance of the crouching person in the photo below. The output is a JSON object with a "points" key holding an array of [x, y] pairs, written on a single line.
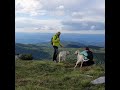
{"points": [[88, 57]]}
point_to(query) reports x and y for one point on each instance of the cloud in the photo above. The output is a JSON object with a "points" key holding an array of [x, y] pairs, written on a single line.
{"points": [[30, 30], [60, 7], [55, 24], [93, 15], [40, 12], [31, 7], [34, 6], [52, 24], [76, 24], [78, 14], [64, 15]]}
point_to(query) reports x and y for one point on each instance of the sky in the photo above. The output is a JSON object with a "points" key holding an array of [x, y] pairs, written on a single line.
{"points": [[66, 16]]}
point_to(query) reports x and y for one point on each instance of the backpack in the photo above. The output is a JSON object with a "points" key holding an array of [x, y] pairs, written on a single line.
{"points": [[90, 55], [52, 40]]}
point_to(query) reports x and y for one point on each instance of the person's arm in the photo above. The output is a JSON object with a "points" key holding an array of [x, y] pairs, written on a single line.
{"points": [[60, 44], [82, 52]]}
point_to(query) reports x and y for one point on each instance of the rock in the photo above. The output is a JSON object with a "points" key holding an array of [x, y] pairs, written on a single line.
{"points": [[99, 80], [16, 57]]}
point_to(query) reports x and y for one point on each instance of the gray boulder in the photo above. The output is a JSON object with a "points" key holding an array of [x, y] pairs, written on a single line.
{"points": [[17, 56], [99, 80]]}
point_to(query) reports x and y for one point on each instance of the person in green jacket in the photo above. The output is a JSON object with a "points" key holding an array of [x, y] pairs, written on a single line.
{"points": [[56, 43]]}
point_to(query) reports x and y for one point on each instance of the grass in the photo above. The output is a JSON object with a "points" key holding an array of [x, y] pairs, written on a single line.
{"points": [[47, 75]]}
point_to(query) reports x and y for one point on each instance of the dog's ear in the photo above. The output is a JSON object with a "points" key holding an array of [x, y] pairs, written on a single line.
{"points": [[75, 52]]}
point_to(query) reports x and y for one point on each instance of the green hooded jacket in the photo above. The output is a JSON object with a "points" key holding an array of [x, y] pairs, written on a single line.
{"points": [[56, 40]]}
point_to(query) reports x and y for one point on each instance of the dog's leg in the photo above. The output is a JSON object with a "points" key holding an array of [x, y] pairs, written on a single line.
{"points": [[81, 64], [76, 63], [64, 58]]}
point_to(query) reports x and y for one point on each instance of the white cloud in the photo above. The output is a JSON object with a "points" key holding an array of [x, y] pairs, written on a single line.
{"points": [[29, 30], [59, 13], [28, 6], [38, 24], [31, 24], [60, 7], [78, 15], [34, 7], [93, 15], [40, 12], [60, 10], [90, 18]]}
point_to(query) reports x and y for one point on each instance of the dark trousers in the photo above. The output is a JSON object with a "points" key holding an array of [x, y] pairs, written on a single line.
{"points": [[55, 53], [88, 63]]}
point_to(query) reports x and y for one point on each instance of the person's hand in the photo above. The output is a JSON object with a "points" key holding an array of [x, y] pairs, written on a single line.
{"points": [[62, 46]]}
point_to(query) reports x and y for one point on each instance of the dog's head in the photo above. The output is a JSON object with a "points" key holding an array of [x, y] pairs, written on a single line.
{"points": [[76, 52], [67, 52]]}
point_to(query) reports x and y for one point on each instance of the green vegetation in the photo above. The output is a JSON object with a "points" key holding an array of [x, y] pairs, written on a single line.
{"points": [[42, 73], [26, 57], [47, 75], [44, 51]]}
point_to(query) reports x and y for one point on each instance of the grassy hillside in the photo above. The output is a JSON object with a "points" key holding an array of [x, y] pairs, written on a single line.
{"points": [[42, 51], [47, 75]]}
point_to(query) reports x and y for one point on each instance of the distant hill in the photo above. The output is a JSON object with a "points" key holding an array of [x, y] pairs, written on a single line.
{"points": [[45, 50], [86, 39], [37, 51], [68, 44]]}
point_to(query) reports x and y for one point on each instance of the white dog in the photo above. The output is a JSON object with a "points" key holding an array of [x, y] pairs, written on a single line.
{"points": [[80, 58], [62, 55]]}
